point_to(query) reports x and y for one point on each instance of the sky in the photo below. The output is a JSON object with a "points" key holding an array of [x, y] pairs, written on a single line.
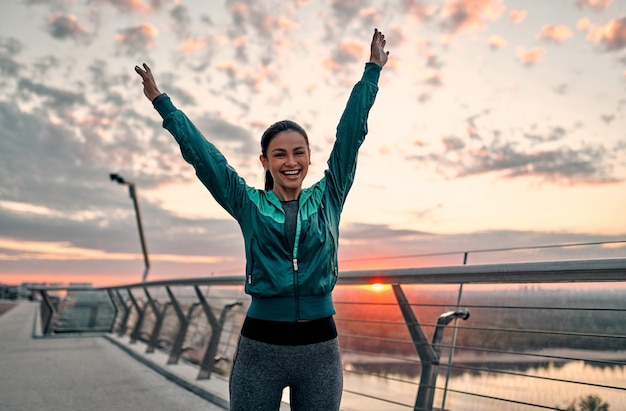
{"points": [[498, 124]]}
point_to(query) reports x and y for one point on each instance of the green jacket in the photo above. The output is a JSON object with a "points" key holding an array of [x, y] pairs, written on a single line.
{"points": [[287, 282]]}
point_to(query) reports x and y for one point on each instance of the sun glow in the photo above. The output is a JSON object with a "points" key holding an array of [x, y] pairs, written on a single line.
{"points": [[378, 287]]}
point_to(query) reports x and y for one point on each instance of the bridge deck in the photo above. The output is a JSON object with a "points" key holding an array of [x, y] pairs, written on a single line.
{"points": [[81, 373]]}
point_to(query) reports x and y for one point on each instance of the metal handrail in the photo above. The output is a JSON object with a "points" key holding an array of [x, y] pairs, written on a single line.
{"points": [[595, 270], [571, 271]]}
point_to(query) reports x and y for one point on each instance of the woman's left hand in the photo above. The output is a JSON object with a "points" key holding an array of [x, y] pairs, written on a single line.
{"points": [[378, 54]]}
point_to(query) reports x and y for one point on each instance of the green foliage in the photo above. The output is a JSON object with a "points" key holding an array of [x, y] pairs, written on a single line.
{"points": [[547, 311], [588, 403]]}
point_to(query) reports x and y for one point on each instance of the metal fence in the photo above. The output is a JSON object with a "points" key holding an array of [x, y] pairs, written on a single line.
{"points": [[514, 336]]}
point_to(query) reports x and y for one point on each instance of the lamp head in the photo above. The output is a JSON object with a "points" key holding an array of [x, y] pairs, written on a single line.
{"points": [[115, 177]]}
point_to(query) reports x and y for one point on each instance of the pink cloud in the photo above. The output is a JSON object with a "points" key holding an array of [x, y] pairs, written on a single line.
{"points": [[191, 45], [530, 56], [471, 15], [286, 23], [517, 16], [63, 26], [432, 79], [346, 52], [497, 42], [555, 33], [399, 35], [137, 38], [452, 143], [369, 16], [597, 5], [239, 9], [248, 76], [612, 35], [417, 10], [229, 68], [138, 6], [583, 24], [241, 44]]}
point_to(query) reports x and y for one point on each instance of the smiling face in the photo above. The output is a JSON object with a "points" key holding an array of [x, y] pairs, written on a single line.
{"points": [[287, 159]]}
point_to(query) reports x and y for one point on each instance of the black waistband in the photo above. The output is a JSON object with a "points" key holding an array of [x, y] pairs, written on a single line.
{"points": [[289, 333]]}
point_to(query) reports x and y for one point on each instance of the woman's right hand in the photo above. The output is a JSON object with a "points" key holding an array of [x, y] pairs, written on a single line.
{"points": [[150, 88]]}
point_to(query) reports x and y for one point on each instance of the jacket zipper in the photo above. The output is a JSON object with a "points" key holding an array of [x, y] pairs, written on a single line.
{"points": [[294, 262], [249, 274]]}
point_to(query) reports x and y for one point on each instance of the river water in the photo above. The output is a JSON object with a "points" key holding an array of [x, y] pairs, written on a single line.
{"points": [[516, 389]]}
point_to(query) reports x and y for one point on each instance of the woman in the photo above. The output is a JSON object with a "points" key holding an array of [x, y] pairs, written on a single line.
{"points": [[288, 338]]}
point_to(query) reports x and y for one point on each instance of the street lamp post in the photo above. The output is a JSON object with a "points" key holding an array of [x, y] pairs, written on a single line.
{"points": [[133, 195]]}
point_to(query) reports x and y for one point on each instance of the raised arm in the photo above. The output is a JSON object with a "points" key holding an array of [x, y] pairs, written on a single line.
{"points": [[150, 88], [352, 127], [211, 166]]}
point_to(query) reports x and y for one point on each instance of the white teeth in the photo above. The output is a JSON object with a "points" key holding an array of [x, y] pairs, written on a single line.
{"points": [[291, 173]]}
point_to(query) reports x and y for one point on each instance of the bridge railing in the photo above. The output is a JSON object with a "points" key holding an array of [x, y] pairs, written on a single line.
{"points": [[468, 337]]}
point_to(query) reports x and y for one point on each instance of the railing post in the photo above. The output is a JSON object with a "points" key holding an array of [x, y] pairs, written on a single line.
{"points": [[93, 316], [209, 359], [429, 353], [134, 335], [428, 357], [47, 316], [115, 308], [121, 327], [183, 324], [159, 315]]}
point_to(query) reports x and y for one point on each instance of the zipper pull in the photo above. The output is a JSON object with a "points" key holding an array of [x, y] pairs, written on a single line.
{"points": [[295, 264]]}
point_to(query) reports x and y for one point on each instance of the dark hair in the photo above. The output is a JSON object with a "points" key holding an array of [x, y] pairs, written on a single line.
{"points": [[269, 135]]}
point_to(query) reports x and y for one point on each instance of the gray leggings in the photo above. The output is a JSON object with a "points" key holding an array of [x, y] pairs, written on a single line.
{"points": [[260, 371]]}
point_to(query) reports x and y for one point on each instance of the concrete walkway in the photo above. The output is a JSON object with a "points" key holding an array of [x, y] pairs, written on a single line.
{"points": [[89, 373]]}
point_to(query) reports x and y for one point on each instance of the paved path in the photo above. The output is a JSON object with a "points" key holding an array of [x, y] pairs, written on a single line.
{"points": [[80, 373], [6, 306]]}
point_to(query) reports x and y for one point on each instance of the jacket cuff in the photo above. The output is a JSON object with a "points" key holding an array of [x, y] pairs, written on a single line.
{"points": [[163, 105], [371, 73]]}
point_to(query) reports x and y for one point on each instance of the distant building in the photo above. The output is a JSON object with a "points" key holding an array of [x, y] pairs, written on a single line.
{"points": [[8, 292]]}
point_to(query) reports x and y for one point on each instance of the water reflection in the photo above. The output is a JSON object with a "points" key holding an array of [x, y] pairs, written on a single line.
{"points": [[545, 385]]}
